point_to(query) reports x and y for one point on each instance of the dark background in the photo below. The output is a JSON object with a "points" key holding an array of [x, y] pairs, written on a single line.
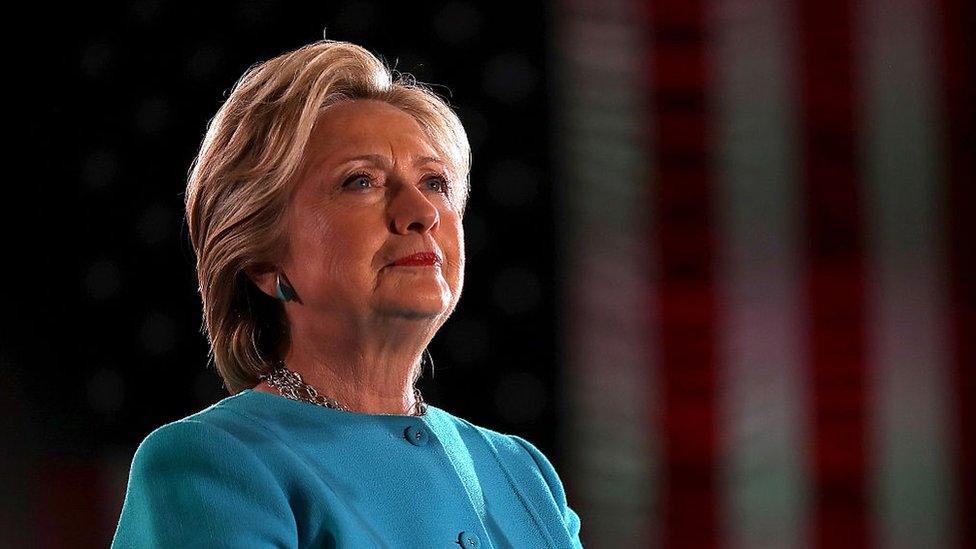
{"points": [[735, 235], [102, 338]]}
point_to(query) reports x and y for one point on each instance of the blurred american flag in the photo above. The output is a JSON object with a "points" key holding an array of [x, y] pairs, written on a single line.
{"points": [[768, 210]]}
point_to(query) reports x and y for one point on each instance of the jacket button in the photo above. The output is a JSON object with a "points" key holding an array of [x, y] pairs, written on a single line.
{"points": [[416, 435], [469, 540]]}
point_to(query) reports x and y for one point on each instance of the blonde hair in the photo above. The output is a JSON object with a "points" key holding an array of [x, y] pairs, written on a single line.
{"points": [[239, 185]]}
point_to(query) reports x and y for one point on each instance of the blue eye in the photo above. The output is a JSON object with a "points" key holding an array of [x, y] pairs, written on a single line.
{"points": [[363, 181], [354, 180], [442, 185]]}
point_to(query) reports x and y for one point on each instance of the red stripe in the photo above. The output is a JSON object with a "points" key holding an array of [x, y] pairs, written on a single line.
{"points": [[959, 96], [835, 270], [68, 511], [686, 300]]}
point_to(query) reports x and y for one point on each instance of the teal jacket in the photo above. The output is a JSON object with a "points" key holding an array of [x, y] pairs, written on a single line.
{"points": [[259, 470]]}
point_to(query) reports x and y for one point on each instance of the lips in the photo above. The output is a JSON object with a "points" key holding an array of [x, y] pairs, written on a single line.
{"points": [[418, 259]]}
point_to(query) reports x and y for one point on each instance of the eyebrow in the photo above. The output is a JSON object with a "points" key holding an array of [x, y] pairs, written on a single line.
{"points": [[384, 161]]}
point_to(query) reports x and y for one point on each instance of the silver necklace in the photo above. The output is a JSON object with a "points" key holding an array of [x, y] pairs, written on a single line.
{"points": [[291, 385]]}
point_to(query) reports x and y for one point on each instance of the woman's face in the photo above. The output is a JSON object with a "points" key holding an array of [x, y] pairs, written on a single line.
{"points": [[373, 190]]}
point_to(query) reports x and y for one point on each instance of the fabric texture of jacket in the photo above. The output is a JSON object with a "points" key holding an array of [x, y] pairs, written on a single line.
{"points": [[260, 470]]}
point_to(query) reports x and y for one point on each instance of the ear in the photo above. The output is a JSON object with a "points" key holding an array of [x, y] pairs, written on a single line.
{"points": [[263, 276]]}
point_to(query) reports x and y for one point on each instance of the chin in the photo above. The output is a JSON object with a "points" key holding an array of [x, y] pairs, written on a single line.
{"points": [[412, 314], [414, 311]]}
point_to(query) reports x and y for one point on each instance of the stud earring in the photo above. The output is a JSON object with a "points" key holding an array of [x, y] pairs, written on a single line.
{"points": [[283, 291]]}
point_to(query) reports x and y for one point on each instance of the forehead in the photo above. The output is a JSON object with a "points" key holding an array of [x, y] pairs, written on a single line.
{"points": [[364, 126]]}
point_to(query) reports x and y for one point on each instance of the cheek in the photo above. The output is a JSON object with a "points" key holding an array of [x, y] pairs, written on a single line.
{"points": [[313, 236], [317, 248], [338, 247], [454, 246]]}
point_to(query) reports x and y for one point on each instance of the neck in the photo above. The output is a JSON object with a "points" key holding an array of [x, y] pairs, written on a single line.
{"points": [[370, 375]]}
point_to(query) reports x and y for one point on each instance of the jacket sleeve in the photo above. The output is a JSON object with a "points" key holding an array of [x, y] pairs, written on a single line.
{"points": [[570, 518], [195, 485]]}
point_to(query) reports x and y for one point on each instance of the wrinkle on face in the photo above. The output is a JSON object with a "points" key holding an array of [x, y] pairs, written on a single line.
{"points": [[340, 237]]}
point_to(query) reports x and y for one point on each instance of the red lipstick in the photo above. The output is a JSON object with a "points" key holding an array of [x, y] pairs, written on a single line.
{"points": [[423, 258]]}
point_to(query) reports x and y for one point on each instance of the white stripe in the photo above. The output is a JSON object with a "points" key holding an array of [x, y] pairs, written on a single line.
{"points": [[762, 395], [599, 131], [911, 407]]}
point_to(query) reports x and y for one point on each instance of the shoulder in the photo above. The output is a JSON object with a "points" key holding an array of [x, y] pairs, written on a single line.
{"points": [[191, 483], [218, 444], [506, 443], [196, 453], [183, 442], [512, 448], [211, 432], [531, 471]]}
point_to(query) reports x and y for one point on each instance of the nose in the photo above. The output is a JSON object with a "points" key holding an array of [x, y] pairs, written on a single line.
{"points": [[410, 210]]}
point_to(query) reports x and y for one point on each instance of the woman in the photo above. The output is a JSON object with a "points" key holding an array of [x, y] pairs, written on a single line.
{"points": [[325, 210]]}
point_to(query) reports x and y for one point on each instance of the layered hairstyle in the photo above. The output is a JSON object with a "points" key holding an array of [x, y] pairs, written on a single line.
{"points": [[240, 182]]}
